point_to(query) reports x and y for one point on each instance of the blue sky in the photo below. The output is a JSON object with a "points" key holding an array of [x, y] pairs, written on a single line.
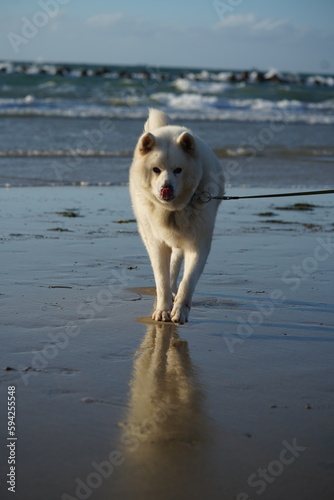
{"points": [[292, 35]]}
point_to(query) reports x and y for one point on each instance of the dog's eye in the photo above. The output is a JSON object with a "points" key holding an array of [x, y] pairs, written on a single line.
{"points": [[156, 170], [178, 170]]}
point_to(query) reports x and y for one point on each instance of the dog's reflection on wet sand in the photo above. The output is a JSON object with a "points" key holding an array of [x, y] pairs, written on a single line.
{"points": [[165, 428]]}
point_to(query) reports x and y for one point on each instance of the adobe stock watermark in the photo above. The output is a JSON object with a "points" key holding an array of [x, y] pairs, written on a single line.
{"points": [[86, 145], [225, 8], [297, 274], [149, 84], [30, 27], [130, 440], [90, 139], [254, 145], [88, 310], [293, 277], [266, 476]]}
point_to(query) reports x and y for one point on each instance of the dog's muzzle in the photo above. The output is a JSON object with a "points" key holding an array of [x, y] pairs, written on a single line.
{"points": [[167, 193]]}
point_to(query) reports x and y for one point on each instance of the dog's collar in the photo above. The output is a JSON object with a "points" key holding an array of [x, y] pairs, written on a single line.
{"points": [[200, 197]]}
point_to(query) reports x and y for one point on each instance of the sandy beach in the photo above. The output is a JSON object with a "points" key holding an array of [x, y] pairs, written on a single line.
{"points": [[236, 404]]}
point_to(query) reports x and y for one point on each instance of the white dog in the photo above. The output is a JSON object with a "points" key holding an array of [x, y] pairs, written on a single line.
{"points": [[171, 167]]}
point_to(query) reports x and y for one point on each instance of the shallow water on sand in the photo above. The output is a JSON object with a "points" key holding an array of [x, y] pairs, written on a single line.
{"points": [[59, 151], [151, 410]]}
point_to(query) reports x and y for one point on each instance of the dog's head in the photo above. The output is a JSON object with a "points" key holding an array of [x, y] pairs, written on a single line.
{"points": [[168, 165]]}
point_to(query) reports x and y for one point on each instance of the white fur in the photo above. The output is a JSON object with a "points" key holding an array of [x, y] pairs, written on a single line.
{"points": [[181, 227]]}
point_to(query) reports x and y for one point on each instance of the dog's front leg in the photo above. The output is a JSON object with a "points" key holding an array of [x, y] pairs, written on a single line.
{"points": [[160, 255], [194, 263], [175, 265]]}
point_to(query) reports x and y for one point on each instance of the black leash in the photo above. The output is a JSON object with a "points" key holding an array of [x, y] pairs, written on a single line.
{"points": [[205, 196]]}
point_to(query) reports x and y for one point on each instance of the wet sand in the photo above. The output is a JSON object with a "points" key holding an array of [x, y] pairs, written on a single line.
{"points": [[236, 404]]}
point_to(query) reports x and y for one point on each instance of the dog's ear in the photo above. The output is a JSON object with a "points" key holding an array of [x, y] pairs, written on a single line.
{"points": [[187, 142], [146, 143]]}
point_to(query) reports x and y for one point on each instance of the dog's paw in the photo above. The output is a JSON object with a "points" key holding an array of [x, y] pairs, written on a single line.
{"points": [[161, 315], [180, 313]]}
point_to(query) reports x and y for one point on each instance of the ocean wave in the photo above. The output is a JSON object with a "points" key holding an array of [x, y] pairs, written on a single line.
{"points": [[224, 152], [186, 85], [315, 80], [212, 107], [196, 101], [243, 151], [16, 102], [192, 108], [62, 153], [87, 90], [184, 101]]}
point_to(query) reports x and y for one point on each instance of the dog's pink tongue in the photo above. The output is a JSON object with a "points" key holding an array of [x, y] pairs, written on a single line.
{"points": [[167, 193]]}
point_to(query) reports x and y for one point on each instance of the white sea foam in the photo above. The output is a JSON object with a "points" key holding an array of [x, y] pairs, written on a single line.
{"points": [[46, 85], [60, 153], [320, 80], [185, 101], [186, 106], [183, 98], [247, 109], [186, 85]]}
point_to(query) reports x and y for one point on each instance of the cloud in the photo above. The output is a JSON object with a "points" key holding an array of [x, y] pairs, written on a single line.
{"points": [[252, 25], [236, 20], [104, 20], [238, 41], [253, 40], [270, 25]]}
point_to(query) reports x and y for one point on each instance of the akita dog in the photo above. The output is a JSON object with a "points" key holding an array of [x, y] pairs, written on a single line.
{"points": [[170, 169]]}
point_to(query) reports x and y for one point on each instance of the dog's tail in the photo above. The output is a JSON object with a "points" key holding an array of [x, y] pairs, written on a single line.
{"points": [[156, 119]]}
